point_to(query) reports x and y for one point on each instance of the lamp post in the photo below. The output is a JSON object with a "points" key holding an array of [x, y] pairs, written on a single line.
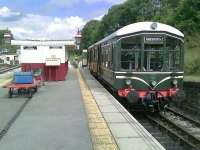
{"points": [[78, 38]]}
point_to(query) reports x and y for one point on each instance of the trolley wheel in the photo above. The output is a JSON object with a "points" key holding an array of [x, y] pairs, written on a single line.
{"points": [[30, 93], [10, 93], [19, 91], [35, 89]]}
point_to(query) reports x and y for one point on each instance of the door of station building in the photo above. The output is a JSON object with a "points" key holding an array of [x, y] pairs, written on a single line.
{"points": [[51, 73]]}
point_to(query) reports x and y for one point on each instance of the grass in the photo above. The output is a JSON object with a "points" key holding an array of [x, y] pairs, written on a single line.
{"points": [[194, 78], [192, 57]]}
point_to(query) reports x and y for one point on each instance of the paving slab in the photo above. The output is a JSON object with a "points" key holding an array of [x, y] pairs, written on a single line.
{"points": [[54, 119]]}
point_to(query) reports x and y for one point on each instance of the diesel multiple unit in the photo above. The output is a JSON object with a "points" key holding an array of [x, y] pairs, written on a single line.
{"points": [[142, 62]]}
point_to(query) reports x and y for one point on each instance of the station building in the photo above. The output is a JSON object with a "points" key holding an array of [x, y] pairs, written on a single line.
{"points": [[49, 56], [9, 59]]}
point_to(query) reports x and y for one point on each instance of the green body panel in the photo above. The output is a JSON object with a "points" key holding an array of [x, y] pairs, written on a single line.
{"points": [[164, 81], [140, 80], [137, 84]]}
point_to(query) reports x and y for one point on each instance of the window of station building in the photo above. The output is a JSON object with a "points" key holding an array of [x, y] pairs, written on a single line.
{"points": [[7, 58], [55, 47], [175, 48], [153, 57], [30, 47]]}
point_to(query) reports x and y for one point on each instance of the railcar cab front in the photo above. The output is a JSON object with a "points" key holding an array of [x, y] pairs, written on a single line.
{"points": [[151, 65]]}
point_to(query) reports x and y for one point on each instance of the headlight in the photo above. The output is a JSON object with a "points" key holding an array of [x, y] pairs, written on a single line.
{"points": [[128, 82], [174, 82], [153, 83]]}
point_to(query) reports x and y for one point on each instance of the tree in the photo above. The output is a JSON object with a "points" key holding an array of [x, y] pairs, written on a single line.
{"points": [[88, 33], [187, 17]]}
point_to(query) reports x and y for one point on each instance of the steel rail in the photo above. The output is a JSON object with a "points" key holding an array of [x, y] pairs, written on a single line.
{"points": [[8, 69], [186, 117], [181, 133]]}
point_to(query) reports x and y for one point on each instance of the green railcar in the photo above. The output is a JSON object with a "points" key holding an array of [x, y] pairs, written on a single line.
{"points": [[142, 62]]}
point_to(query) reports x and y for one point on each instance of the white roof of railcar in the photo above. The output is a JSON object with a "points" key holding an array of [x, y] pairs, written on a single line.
{"points": [[142, 26]]}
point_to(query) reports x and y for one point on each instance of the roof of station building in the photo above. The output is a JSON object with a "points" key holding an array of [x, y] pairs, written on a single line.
{"points": [[42, 42]]}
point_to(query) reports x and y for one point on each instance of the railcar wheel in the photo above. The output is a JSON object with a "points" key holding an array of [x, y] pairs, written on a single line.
{"points": [[133, 97]]}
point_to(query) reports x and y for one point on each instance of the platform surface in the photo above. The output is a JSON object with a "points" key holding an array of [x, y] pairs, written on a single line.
{"points": [[54, 119], [76, 114], [127, 131]]}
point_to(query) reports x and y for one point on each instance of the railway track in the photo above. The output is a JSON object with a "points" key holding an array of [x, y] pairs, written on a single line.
{"points": [[193, 109], [3, 70], [174, 130], [184, 128], [164, 138]]}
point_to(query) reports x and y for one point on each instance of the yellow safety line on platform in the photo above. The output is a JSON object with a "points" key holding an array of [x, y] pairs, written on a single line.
{"points": [[102, 138]]}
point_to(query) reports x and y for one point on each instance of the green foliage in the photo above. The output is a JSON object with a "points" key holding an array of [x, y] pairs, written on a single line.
{"points": [[89, 32], [74, 57], [3, 45], [182, 14]]}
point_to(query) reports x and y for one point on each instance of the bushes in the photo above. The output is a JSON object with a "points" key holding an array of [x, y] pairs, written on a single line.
{"points": [[193, 67], [192, 57]]}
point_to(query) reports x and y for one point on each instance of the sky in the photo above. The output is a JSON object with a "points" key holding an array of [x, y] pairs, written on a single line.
{"points": [[50, 19]]}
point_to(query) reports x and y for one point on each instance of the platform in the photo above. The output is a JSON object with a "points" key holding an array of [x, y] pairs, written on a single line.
{"points": [[76, 114], [128, 133], [54, 119]]}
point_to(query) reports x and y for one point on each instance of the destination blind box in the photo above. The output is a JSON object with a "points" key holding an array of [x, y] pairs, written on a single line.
{"points": [[154, 40]]}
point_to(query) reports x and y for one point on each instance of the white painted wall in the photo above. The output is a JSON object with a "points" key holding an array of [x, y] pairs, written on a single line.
{"points": [[43, 51], [40, 55], [11, 58]]}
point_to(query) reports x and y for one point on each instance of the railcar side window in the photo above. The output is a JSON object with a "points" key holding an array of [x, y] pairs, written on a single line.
{"points": [[106, 56]]}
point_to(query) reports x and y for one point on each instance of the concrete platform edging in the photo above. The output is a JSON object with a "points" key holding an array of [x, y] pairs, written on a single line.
{"points": [[101, 136]]}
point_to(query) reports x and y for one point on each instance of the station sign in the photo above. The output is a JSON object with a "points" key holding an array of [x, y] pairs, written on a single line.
{"points": [[52, 62], [153, 39]]}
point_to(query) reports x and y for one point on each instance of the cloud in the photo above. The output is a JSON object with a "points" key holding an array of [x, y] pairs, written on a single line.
{"points": [[7, 15], [67, 3], [106, 1], [32, 26], [99, 18]]}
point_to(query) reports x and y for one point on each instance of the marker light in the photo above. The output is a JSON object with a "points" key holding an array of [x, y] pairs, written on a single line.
{"points": [[153, 83], [128, 82], [175, 82]]}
